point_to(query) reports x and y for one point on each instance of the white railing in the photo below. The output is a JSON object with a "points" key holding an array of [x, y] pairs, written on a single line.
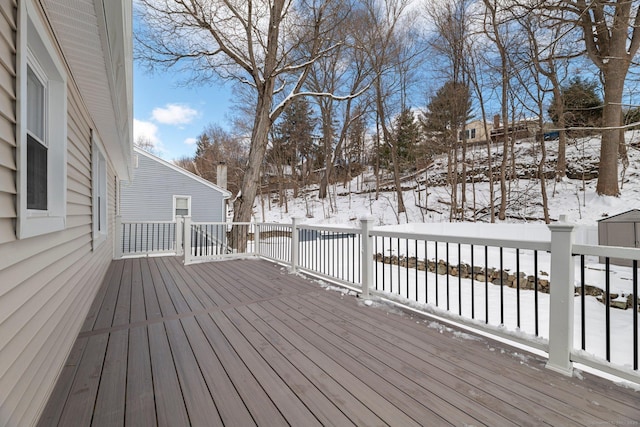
{"points": [[144, 238], [513, 288]]}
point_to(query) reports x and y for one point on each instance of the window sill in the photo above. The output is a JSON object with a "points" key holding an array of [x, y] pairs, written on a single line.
{"points": [[32, 226]]}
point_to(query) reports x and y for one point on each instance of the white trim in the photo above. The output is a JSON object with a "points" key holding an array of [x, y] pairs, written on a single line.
{"points": [[179, 196], [99, 184], [225, 194], [36, 48]]}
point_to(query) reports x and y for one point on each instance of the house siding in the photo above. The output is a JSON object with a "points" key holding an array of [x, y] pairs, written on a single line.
{"points": [[8, 19], [149, 195], [47, 283]]}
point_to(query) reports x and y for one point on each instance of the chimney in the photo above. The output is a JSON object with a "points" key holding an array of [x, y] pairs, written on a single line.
{"points": [[496, 121], [221, 175]]}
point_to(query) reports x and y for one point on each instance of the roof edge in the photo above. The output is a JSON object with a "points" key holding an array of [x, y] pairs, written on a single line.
{"points": [[226, 193]]}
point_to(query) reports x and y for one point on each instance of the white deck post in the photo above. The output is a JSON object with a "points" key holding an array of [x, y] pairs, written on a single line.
{"points": [[256, 239], [118, 238], [186, 240], [179, 234], [294, 244], [562, 289], [366, 263]]}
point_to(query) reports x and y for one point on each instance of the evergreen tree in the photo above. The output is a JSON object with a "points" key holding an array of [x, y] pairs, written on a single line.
{"points": [[294, 133], [582, 105], [446, 115], [407, 134]]}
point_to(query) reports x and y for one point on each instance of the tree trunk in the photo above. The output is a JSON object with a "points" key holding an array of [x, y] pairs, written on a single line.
{"points": [[608, 168], [388, 138], [561, 165], [243, 205]]}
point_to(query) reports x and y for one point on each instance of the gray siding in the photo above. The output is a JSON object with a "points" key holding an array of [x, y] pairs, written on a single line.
{"points": [[48, 282], [149, 195]]}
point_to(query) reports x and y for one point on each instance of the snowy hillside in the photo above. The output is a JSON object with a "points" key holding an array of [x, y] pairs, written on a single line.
{"points": [[572, 196]]}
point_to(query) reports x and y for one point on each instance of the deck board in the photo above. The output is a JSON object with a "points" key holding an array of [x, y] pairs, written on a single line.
{"points": [[244, 343]]}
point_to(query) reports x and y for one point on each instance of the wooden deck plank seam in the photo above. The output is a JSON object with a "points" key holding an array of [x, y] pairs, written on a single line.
{"points": [[182, 315]]}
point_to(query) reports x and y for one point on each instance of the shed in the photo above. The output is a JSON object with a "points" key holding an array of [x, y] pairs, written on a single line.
{"points": [[620, 230], [160, 190]]}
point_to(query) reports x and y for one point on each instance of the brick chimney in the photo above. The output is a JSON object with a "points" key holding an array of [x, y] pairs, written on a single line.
{"points": [[221, 175], [496, 121]]}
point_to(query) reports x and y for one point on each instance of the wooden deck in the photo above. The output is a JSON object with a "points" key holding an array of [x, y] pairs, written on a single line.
{"points": [[243, 343]]}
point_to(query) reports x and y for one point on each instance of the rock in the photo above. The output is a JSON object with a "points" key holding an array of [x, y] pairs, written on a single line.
{"points": [[619, 304]]}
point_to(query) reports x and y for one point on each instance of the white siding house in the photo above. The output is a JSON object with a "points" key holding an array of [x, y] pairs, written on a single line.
{"points": [[159, 190], [65, 142]]}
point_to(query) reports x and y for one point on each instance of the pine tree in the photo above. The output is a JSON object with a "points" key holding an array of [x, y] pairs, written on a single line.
{"points": [[582, 106]]}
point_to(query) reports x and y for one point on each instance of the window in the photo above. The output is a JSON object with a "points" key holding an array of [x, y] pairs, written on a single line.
{"points": [[41, 129], [181, 206], [473, 133], [99, 179]]}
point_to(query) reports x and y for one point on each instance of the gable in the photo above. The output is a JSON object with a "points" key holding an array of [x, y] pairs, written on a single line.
{"points": [[149, 195]]}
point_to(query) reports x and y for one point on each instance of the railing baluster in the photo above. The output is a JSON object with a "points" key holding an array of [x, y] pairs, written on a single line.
{"points": [[535, 288], [486, 284], [447, 274], [518, 287], [634, 305], [437, 264], [582, 302], [501, 286], [426, 273], [459, 281], [607, 307], [473, 285]]}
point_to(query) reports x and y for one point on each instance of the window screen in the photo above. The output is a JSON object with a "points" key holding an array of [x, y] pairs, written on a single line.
{"points": [[182, 206], [36, 174]]}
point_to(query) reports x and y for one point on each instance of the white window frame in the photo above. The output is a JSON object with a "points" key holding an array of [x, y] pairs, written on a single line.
{"points": [[99, 183], [37, 50], [177, 196]]}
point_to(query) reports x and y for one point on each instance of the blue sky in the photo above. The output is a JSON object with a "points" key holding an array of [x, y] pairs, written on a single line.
{"points": [[171, 116]]}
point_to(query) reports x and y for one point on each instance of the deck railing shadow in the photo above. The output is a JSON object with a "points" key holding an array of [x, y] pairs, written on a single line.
{"points": [[548, 293]]}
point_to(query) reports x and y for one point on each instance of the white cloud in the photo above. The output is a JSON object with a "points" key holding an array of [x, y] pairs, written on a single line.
{"points": [[147, 131], [190, 141], [174, 114]]}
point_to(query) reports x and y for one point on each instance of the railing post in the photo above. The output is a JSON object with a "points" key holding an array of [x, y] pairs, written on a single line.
{"points": [[179, 233], [187, 240], [561, 295], [256, 239], [294, 244], [366, 263], [118, 238]]}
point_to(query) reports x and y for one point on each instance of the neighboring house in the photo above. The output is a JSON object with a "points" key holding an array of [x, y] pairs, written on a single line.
{"points": [[475, 132], [159, 191], [519, 129], [65, 142]]}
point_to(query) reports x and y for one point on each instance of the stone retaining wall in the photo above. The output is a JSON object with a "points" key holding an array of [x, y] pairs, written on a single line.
{"points": [[497, 277]]}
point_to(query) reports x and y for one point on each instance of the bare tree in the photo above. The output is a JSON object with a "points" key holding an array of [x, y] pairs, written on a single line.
{"points": [[495, 29], [344, 71], [269, 45], [611, 34], [146, 144], [451, 23], [383, 41]]}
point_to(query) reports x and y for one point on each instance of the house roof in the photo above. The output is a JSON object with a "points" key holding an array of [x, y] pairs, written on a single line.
{"points": [[226, 194], [96, 39], [632, 215]]}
